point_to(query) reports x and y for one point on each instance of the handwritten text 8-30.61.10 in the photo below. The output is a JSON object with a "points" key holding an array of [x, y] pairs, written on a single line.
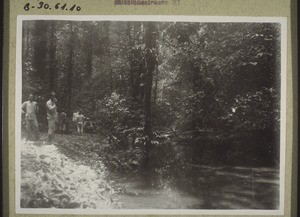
{"points": [[56, 6]]}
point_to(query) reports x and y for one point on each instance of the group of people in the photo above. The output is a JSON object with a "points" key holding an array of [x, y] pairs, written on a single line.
{"points": [[30, 108]]}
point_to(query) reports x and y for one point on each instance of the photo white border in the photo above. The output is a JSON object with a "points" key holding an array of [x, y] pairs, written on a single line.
{"points": [[207, 19]]}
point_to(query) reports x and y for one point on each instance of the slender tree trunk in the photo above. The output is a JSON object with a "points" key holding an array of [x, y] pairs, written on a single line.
{"points": [[132, 65], [89, 59], [150, 62], [155, 89], [195, 88], [25, 44], [70, 71], [40, 48], [25, 47], [107, 42], [156, 82], [52, 49]]}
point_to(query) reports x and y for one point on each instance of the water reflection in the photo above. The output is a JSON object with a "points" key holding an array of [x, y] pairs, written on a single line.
{"points": [[207, 188]]}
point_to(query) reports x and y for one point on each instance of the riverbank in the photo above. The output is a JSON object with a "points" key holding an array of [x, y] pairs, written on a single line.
{"points": [[76, 172]]}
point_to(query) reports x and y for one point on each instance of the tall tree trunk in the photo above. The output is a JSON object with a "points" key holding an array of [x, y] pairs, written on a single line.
{"points": [[25, 47], [155, 89], [52, 49], [156, 80], [26, 39], [107, 42], [70, 71], [150, 62], [139, 64], [40, 48], [89, 50], [131, 60]]}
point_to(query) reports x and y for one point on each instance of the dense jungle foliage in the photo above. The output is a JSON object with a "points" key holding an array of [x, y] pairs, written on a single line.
{"points": [[166, 96]]}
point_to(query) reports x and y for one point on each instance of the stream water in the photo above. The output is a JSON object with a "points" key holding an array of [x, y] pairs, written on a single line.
{"points": [[137, 195], [211, 188]]}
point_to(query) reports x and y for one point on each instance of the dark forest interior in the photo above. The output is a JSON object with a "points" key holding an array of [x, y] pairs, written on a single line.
{"points": [[169, 99]]}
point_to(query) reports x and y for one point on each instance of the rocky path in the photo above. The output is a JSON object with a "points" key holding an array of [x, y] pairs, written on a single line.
{"points": [[51, 179]]}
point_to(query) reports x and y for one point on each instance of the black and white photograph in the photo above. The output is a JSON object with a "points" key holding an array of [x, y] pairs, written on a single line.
{"points": [[153, 115]]}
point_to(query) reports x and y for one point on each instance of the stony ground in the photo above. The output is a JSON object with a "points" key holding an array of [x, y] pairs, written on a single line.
{"points": [[49, 178]]}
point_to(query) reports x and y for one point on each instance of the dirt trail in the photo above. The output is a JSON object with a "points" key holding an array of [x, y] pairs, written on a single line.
{"points": [[51, 179]]}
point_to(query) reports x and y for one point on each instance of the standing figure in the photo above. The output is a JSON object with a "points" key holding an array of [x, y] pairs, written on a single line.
{"points": [[74, 121], [80, 119], [62, 122], [51, 116], [30, 108]]}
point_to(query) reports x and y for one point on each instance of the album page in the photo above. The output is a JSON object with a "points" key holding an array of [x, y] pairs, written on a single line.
{"points": [[149, 107]]}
